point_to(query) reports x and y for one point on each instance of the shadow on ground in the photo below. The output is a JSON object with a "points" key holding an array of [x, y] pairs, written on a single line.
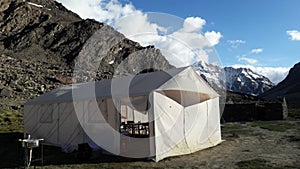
{"points": [[12, 154]]}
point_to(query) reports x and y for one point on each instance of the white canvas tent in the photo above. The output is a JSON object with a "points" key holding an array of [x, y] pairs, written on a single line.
{"points": [[180, 109]]}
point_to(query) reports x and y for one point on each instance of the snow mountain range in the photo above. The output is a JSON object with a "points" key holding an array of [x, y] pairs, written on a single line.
{"points": [[241, 80]]}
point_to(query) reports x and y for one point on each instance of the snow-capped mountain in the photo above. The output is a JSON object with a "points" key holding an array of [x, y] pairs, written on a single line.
{"points": [[213, 74], [242, 80]]}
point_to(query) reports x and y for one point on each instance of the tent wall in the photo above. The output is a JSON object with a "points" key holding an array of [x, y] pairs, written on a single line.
{"points": [[182, 130], [31, 121], [101, 132], [56, 123], [152, 146], [60, 125], [186, 113], [41, 121], [169, 126], [70, 133]]}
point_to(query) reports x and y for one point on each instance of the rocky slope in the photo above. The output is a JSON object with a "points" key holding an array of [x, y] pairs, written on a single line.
{"points": [[21, 80], [40, 41], [288, 88], [241, 80]]}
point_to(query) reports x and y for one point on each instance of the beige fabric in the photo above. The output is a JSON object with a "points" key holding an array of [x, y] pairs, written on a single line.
{"points": [[185, 130]]}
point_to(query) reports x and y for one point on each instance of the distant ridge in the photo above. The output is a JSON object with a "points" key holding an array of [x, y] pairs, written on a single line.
{"points": [[288, 88]]}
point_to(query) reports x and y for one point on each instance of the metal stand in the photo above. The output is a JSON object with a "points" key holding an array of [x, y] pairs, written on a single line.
{"points": [[29, 145], [41, 159]]}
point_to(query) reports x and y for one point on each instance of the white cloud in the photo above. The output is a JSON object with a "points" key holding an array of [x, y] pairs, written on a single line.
{"points": [[213, 37], [275, 74], [294, 35], [192, 24], [174, 46], [256, 51], [236, 43], [182, 46], [142, 31], [101, 10], [248, 60]]}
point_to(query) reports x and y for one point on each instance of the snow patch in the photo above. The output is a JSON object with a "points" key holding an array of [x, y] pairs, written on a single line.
{"points": [[111, 62], [255, 76], [36, 5]]}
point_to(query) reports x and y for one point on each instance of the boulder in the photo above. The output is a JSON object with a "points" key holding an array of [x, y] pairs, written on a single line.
{"points": [[6, 92]]}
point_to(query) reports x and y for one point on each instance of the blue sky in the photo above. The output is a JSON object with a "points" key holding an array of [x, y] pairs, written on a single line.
{"points": [[263, 35], [261, 24]]}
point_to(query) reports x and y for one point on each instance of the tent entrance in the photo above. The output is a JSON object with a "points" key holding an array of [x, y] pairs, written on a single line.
{"points": [[134, 116], [185, 98], [134, 126]]}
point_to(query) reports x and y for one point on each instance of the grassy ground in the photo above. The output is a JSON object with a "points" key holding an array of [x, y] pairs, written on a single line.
{"points": [[235, 129], [247, 146], [253, 164], [294, 113], [11, 121], [251, 145], [279, 126]]}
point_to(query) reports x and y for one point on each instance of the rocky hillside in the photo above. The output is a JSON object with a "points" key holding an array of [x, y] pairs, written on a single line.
{"points": [[21, 79], [40, 41], [241, 80], [42, 30], [288, 88]]}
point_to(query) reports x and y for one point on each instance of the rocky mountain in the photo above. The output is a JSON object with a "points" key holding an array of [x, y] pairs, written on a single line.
{"points": [[241, 80], [244, 80], [41, 41], [288, 88]]}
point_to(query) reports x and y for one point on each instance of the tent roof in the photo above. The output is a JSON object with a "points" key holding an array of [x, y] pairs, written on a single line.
{"points": [[141, 84]]}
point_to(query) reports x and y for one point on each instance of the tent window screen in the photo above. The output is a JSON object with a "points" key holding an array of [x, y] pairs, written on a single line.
{"points": [[97, 111], [126, 113], [135, 109], [46, 114]]}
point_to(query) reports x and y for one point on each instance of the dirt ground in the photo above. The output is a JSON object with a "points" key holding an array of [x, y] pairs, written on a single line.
{"points": [[273, 144]]}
